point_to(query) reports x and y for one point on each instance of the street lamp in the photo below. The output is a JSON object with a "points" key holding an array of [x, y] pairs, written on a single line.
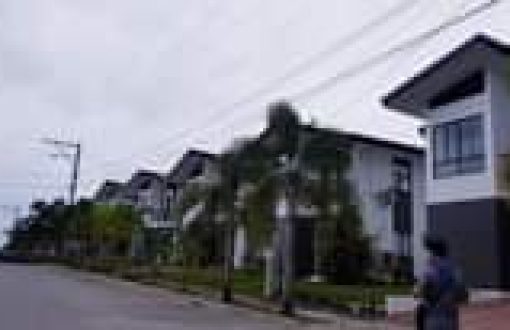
{"points": [[75, 156]]}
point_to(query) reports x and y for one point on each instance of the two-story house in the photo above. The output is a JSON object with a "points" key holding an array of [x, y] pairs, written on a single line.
{"points": [[195, 167], [465, 98], [387, 180], [147, 192]]}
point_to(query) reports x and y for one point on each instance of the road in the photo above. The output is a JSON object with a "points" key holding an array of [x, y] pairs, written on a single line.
{"points": [[50, 298]]}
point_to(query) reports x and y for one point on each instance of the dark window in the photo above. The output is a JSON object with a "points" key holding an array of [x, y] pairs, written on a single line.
{"points": [[145, 184], [472, 85], [458, 147], [402, 202], [402, 175], [197, 171]]}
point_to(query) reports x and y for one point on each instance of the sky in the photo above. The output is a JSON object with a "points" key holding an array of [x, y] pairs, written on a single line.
{"points": [[139, 82]]}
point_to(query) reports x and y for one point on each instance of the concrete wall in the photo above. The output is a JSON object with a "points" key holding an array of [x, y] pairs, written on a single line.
{"points": [[370, 175], [462, 222]]}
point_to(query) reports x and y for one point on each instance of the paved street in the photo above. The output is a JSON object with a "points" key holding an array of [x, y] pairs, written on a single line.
{"points": [[46, 298], [50, 298]]}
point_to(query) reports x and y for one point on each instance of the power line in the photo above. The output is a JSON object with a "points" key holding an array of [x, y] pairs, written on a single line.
{"points": [[349, 72], [385, 55], [339, 45], [365, 65]]}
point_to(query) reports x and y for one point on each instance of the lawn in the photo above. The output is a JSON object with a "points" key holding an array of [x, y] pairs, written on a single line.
{"points": [[250, 283], [347, 296]]}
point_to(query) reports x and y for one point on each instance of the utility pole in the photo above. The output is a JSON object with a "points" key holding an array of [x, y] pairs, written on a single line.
{"points": [[76, 159], [230, 235], [288, 241], [291, 169]]}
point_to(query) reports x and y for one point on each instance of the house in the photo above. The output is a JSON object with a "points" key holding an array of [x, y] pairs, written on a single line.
{"points": [[147, 192], [194, 164], [465, 99], [388, 179], [388, 188], [194, 167]]}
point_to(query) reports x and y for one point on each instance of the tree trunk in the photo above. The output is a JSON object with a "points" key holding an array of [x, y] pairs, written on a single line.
{"points": [[288, 250], [229, 256]]}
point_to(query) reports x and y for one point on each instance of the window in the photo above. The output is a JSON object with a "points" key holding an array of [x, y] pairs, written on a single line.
{"points": [[402, 202], [401, 175], [458, 147]]}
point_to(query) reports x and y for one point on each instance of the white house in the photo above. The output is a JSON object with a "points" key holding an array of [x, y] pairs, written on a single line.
{"points": [[465, 97], [149, 194], [388, 181]]}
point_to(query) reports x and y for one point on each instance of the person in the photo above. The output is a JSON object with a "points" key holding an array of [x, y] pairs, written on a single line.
{"points": [[440, 290]]}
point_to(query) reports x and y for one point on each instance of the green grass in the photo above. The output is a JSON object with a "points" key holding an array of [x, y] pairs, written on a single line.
{"points": [[343, 296], [247, 283]]}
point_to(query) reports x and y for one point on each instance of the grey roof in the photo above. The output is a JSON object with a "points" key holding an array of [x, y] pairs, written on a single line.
{"points": [[141, 179], [348, 138], [189, 163], [351, 137], [108, 189]]}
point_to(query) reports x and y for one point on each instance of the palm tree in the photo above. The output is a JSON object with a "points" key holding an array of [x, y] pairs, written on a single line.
{"points": [[211, 200], [314, 173], [317, 161], [332, 194]]}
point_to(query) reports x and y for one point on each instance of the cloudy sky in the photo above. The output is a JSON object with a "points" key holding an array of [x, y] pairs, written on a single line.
{"points": [[138, 82]]}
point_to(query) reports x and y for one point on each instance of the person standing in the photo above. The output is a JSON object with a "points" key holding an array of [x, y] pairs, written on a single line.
{"points": [[440, 290]]}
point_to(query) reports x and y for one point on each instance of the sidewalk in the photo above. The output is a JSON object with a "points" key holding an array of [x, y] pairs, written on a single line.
{"points": [[492, 316]]}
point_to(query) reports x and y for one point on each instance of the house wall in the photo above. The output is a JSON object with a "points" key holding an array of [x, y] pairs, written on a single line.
{"points": [[153, 204], [469, 208], [468, 186], [419, 214], [240, 247], [499, 102], [371, 173]]}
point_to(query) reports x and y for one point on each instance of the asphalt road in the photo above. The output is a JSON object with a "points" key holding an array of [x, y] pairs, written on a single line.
{"points": [[52, 298], [49, 298], [45, 298]]}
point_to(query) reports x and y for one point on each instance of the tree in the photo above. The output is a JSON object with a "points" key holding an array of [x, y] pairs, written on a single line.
{"points": [[198, 240], [218, 201], [251, 176], [111, 229], [339, 240], [59, 229], [318, 179]]}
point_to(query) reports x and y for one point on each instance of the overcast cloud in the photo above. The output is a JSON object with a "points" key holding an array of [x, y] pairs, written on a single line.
{"points": [[123, 76]]}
